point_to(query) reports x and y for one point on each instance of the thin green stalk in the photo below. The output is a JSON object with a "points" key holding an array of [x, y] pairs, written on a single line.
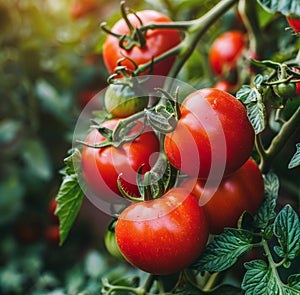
{"points": [[280, 140], [260, 148], [248, 13], [272, 264], [211, 282], [196, 31]]}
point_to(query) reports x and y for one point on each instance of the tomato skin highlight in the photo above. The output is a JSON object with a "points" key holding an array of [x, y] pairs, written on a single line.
{"points": [[164, 235], [210, 118], [157, 42], [241, 191], [225, 51], [101, 166]]}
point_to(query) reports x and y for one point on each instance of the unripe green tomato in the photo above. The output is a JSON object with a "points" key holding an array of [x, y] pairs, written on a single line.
{"points": [[122, 100], [111, 242], [285, 90]]}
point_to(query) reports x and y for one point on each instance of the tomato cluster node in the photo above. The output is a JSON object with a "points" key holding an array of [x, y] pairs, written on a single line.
{"points": [[136, 36], [154, 183]]}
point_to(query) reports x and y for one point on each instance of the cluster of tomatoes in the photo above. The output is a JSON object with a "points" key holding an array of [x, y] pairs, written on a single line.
{"points": [[210, 146]]}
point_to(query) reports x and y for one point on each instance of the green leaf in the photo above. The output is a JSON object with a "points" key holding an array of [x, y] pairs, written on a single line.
{"points": [[36, 159], [224, 250], [69, 199], [247, 94], [267, 210], [286, 7], [287, 231], [257, 115], [294, 282], [259, 279], [225, 290], [258, 80], [295, 161]]}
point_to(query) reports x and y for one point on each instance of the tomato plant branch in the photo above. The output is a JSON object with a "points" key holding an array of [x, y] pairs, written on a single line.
{"points": [[211, 282], [272, 264], [197, 29], [260, 148], [280, 140], [248, 13]]}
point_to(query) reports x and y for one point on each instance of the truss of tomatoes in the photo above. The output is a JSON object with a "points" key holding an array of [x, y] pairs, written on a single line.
{"points": [[167, 234], [212, 140]]}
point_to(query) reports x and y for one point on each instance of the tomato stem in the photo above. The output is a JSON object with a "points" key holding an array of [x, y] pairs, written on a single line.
{"points": [[195, 29], [248, 13], [211, 282], [279, 141]]}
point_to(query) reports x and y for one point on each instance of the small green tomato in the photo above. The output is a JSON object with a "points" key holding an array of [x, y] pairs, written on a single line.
{"points": [[285, 90], [122, 100]]}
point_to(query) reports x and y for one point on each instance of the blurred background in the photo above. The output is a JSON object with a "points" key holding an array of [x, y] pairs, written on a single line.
{"points": [[50, 67]]}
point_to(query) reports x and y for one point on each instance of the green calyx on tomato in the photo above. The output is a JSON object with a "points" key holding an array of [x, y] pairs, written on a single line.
{"points": [[154, 183], [135, 52], [285, 90], [123, 100], [165, 235], [102, 165]]}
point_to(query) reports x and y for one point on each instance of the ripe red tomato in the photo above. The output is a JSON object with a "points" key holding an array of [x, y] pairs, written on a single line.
{"points": [[294, 23], [164, 235], [102, 166], [298, 89], [157, 42], [225, 51], [241, 191], [213, 135], [80, 8]]}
